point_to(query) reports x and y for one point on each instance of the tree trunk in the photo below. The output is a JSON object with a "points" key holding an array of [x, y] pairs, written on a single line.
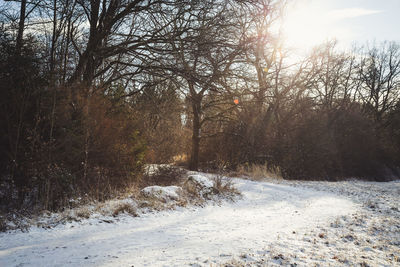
{"points": [[21, 26], [52, 77], [194, 157], [85, 70]]}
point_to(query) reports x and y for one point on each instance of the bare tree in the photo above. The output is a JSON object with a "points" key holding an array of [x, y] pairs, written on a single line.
{"points": [[379, 72], [198, 56], [336, 81]]}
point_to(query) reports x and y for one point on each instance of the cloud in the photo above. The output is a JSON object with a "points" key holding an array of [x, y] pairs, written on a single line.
{"points": [[346, 13]]}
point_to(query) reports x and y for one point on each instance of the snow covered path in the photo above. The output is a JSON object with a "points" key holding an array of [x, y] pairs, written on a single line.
{"points": [[212, 234]]}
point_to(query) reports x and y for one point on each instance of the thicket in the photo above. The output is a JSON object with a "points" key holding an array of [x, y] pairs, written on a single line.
{"points": [[92, 90], [335, 118]]}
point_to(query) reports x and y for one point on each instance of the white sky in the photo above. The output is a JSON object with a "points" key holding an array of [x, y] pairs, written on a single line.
{"points": [[311, 22]]}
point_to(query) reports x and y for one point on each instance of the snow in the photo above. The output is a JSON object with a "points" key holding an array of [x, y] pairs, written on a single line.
{"points": [[368, 236], [151, 169], [267, 213], [164, 193], [201, 180], [203, 184]]}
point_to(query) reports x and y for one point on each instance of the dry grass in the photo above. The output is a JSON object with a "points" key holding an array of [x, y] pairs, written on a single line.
{"points": [[133, 202], [124, 208], [152, 203], [232, 263], [191, 195], [83, 212], [258, 172], [163, 176], [224, 186], [180, 160], [13, 221], [191, 189]]}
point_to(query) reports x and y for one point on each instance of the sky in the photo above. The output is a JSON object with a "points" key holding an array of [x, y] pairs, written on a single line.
{"points": [[311, 22]]}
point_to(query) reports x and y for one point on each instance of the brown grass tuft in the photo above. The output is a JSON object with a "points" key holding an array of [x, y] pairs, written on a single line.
{"points": [[224, 186], [259, 172], [124, 207], [83, 212]]}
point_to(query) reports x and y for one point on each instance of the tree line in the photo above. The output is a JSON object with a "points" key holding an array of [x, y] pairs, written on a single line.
{"points": [[92, 90]]}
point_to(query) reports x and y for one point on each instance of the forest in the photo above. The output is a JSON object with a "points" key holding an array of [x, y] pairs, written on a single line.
{"points": [[92, 91]]}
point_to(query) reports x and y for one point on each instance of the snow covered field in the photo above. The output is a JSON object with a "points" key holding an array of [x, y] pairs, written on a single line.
{"points": [[298, 223]]}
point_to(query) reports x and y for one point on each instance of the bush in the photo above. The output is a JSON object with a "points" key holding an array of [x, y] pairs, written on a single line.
{"points": [[61, 142], [224, 186], [309, 141]]}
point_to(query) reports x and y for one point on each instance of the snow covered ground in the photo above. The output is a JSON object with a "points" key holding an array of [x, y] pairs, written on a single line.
{"points": [[368, 236], [298, 223]]}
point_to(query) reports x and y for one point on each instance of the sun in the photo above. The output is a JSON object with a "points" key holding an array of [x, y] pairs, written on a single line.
{"points": [[306, 25]]}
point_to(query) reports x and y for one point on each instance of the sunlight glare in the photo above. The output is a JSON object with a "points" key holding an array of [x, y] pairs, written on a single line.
{"points": [[307, 25]]}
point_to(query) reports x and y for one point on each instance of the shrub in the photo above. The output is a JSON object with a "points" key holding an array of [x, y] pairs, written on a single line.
{"points": [[224, 186]]}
